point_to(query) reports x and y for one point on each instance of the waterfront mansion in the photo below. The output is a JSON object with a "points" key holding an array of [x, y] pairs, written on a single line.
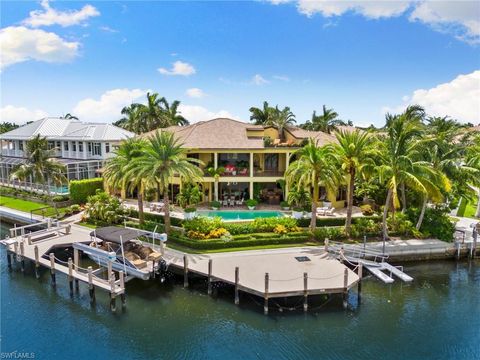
{"points": [[82, 147]]}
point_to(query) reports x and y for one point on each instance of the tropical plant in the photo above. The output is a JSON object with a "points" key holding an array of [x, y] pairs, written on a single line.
{"points": [[215, 173], [163, 158], [102, 208], [281, 119], [40, 165], [315, 166], [171, 115], [117, 174], [7, 126], [299, 198], [262, 116], [132, 119], [355, 153], [327, 122], [251, 202], [190, 195]]}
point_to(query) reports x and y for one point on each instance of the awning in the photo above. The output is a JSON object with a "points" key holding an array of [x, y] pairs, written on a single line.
{"points": [[114, 233]]}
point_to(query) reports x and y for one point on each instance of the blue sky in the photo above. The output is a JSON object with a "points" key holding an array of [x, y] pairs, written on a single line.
{"points": [[103, 55]]}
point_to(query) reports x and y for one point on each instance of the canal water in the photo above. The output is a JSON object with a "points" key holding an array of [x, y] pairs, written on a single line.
{"points": [[436, 317]]}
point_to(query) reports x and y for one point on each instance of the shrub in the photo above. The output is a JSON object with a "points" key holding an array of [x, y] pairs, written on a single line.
{"points": [[436, 223], [367, 210], [269, 224], [251, 202], [156, 217], [59, 198], [237, 229], [284, 204], [80, 190], [365, 226], [334, 221], [102, 208], [75, 208], [332, 233], [203, 225], [215, 204], [190, 195], [190, 209], [401, 224]]}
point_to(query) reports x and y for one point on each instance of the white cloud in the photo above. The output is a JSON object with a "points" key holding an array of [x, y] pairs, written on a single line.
{"points": [[462, 18], [49, 16], [459, 18], [108, 107], [195, 93], [259, 80], [194, 113], [108, 29], [178, 68], [20, 115], [458, 99], [18, 44], [369, 9], [281, 78]]}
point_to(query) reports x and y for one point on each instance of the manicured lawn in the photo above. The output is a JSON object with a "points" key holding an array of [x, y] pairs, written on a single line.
{"points": [[470, 210], [26, 206], [259, 247]]}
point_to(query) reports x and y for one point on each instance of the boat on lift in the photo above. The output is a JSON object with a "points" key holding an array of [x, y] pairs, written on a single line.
{"points": [[126, 250]]}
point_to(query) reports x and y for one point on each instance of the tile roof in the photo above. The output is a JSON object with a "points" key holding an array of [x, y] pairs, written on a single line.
{"points": [[68, 129], [223, 133]]}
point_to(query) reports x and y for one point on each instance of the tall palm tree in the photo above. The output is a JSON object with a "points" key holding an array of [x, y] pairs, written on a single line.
{"points": [[473, 161], [171, 115], [152, 112], [261, 116], [40, 164], [163, 158], [132, 119], [401, 162], [327, 122], [116, 170], [281, 119], [355, 152], [216, 173], [316, 165]]}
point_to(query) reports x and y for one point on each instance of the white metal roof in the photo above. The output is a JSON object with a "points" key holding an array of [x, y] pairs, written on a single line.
{"points": [[68, 129]]}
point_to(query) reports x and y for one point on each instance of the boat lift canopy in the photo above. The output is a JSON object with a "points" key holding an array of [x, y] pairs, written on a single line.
{"points": [[116, 234]]}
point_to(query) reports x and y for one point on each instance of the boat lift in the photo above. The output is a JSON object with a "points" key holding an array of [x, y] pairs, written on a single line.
{"points": [[373, 260]]}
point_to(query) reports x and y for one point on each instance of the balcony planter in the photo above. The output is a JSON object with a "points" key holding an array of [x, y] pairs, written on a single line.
{"points": [[297, 213], [251, 203], [284, 205], [215, 205], [190, 213]]}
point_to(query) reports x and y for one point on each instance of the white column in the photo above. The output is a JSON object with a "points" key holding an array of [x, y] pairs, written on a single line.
{"points": [[85, 150], [251, 190], [215, 160], [251, 164]]}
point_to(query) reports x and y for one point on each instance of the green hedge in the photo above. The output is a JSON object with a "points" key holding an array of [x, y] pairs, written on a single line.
{"points": [[335, 221], [273, 239], [80, 190], [157, 218]]}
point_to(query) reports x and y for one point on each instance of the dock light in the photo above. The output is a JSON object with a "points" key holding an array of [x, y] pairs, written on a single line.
{"points": [[163, 237], [112, 256]]}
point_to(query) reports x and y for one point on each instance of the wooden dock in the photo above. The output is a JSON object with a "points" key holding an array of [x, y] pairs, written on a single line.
{"points": [[268, 274]]}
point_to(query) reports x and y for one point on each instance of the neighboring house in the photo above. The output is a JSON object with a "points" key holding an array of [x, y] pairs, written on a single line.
{"points": [[253, 156], [82, 147]]}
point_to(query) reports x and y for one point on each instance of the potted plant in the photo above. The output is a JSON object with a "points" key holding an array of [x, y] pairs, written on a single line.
{"points": [[251, 203], [284, 205], [215, 205], [190, 212], [297, 212]]}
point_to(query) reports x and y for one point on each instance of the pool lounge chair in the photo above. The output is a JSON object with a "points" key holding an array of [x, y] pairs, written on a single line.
{"points": [[330, 212]]}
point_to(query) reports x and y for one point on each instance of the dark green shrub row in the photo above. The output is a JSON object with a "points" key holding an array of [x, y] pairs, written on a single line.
{"points": [[332, 233], [436, 223], [220, 244], [157, 218], [334, 221], [80, 190], [147, 225]]}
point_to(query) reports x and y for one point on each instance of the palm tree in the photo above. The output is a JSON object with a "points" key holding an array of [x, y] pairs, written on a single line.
{"points": [[132, 119], [69, 116], [163, 158], [315, 166], [171, 115], [473, 161], [40, 164], [327, 122], [262, 116], [355, 152], [216, 173], [281, 119], [152, 112], [116, 170]]}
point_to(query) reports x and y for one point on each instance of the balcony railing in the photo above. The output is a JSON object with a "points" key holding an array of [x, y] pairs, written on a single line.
{"points": [[268, 173], [10, 152]]}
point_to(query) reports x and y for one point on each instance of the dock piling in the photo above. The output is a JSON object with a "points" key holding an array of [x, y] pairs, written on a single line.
{"points": [[237, 299], [76, 262], [113, 305], [122, 286], [360, 276], [209, 286], [345, 288], [305, 292], [37, 262], [15, 247], [9, 259], [185, 271], [52, 269], [70, 275], [22, 256], [91, 288], [265, 305]]}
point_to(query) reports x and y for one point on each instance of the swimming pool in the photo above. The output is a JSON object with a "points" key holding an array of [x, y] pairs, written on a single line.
{"points": [[231, 215]]}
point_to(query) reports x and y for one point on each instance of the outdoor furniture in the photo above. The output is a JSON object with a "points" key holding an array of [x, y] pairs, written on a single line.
{"points": [[330, 212], [225, 202], [240, 202], [321, 210], [156, 206]]}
